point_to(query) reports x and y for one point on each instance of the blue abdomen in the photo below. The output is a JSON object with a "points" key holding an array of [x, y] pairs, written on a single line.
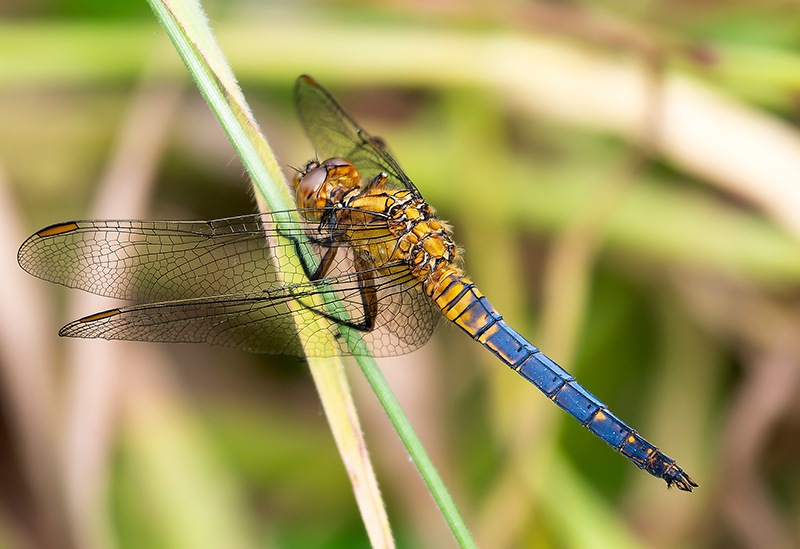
{"points": [[461, 302]]}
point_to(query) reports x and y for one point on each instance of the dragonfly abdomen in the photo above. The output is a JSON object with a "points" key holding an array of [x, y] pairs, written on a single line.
{"points": [[461, 302]]}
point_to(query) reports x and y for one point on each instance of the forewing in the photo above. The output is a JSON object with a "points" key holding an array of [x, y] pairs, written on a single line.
{"points": [[149, 261], [334, 133]]}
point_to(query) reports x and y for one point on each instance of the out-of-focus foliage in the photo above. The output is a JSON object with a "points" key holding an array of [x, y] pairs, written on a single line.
{"points": [[625, 181]]}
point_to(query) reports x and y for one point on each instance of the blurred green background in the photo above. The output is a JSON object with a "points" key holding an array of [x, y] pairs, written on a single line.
{"points": [[624, 178]]}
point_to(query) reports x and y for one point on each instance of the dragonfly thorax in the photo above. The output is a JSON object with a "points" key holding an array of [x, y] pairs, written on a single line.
{"points": [[424, 240]]}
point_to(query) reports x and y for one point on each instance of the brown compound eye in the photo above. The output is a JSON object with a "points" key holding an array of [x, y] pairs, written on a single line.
{"points": [[310, 189]]}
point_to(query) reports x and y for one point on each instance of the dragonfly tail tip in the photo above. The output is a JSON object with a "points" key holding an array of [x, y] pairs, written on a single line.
{"points": [[682, 482]]}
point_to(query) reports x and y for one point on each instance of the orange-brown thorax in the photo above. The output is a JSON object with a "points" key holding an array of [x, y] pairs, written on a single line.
{"points": [[404, 228]]}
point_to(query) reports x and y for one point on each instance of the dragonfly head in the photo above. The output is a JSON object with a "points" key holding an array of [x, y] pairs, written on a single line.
{"points": [[314, 186]]}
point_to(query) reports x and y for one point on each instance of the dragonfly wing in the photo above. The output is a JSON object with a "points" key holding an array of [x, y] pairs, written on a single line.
{"points": [[150, 261], [406, 316], [334, 133], [263, 322], [254, 323]]}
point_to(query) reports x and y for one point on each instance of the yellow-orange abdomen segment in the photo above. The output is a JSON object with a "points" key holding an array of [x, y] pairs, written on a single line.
{"points": [[454, 294]]}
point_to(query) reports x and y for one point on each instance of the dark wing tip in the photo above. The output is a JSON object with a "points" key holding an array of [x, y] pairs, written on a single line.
{"points": [[303, 81], [83, 327], [57, 229], [27, 259]]}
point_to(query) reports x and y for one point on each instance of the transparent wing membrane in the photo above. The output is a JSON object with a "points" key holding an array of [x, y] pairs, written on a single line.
{"points": [[334, 133], [215, 282]]}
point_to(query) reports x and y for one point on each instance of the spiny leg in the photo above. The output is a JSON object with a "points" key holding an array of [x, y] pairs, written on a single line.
{"points": [[367, 291], [330, 243], [324, 264]]}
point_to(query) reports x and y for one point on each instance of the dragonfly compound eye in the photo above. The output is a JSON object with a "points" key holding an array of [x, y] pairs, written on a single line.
{"points": [[310, 187]]}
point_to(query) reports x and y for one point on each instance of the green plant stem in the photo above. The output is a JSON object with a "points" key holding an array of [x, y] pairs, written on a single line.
{"points": [[269, 182], [415, 449]]}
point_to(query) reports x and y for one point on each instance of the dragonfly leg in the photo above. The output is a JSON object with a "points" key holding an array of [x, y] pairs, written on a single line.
{"points": [[377, 182], [324, 264], [330, 243], [369, 293]]}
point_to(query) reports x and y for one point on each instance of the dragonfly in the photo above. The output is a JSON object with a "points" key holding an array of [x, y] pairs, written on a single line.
{"points": [[376, 272]]}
